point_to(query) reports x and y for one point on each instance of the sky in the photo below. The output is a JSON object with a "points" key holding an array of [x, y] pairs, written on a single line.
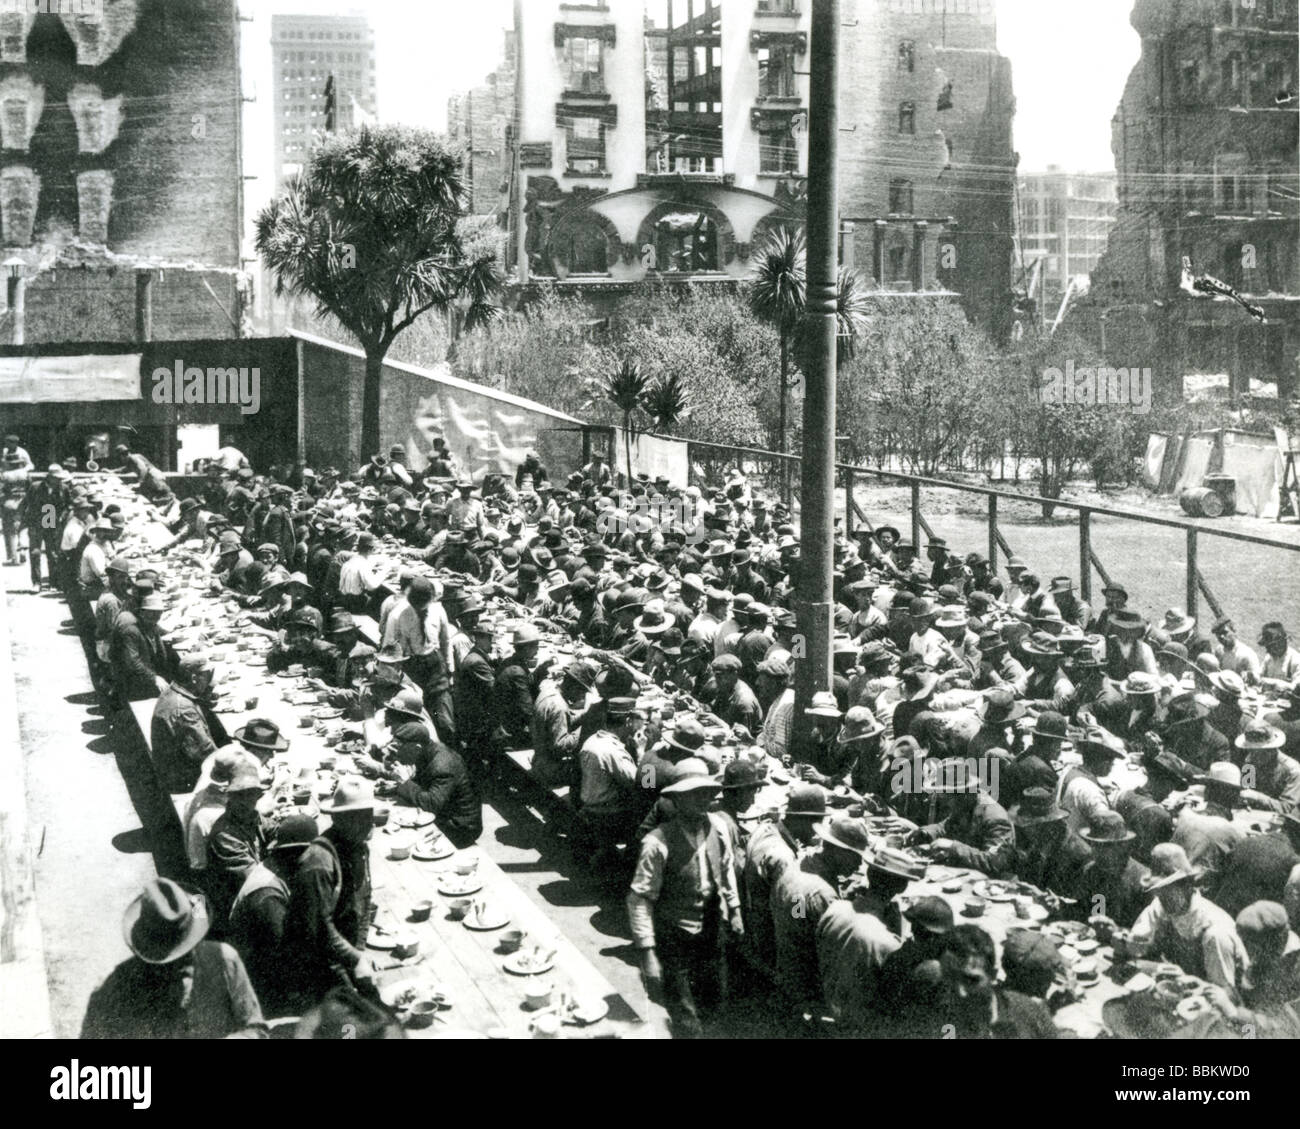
{"points": [[1069, 63]]}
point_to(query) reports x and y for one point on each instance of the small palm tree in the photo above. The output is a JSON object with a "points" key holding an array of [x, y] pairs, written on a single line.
{"points": [[851, 305], [779, 296], [626, 390], [666, 403]]}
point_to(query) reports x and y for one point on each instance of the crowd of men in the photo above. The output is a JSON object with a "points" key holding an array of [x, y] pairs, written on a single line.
{"points": [[953, 693]]}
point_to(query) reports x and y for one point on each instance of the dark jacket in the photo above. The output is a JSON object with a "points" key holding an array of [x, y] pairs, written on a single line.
{"points": [[441, 785], [984, 840], [514, 703], [143, 1001], [180, 740], [475, 703], [138, 658]]}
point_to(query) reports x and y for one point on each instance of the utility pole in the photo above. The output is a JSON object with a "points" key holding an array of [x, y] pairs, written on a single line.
{"points": [[516, 156], [814, 606]]}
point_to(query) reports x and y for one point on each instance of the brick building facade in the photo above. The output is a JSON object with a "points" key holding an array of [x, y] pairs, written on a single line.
{"points": [[121, 151], [1205, 142]]}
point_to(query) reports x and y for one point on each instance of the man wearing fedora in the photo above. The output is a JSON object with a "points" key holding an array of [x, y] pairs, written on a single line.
{"points": [[1140, 712], [1280, 666], [859, 933], [261, 908], [475, 701], [683, 902], [1209, 836], [1111, 882], [774, 844], [177, 984], [1127, 651], [329, 902], [142, 662], [977, 831], [1046, 686], [1184, 927], [236, 843], [734, 704], [1047, 854], [1080, 792], [207, 802], [1274, 782], [560, 697], [180, 737], [440, 784], [609, 807], [513, 689]]}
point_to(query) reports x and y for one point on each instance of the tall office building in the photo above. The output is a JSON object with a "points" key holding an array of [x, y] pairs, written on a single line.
{"points": [[306, 51], [1064, 221]]}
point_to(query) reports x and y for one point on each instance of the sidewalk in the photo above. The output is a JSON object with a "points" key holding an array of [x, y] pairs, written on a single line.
{"points": [[61, 792]]}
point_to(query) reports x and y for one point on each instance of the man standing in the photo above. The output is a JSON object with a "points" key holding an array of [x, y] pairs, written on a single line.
{"points": [[683, 901], [475, 704]]}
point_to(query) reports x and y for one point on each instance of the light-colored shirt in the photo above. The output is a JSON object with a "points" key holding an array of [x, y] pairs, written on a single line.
{"points": [[1082, 798], [608, 772], [1239, 659], [1214, 932], [406, 629], [73, 531], [94, 566], [648, 880], [704, 629], [1285, 668], [356, 577], [931, 647], [779, 724]]}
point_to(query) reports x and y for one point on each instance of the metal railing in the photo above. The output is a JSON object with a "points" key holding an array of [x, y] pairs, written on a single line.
{"points": [[701, 454]]}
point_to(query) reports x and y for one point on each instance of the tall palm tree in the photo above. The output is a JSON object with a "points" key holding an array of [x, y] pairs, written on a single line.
{"points": [[778, 296]]}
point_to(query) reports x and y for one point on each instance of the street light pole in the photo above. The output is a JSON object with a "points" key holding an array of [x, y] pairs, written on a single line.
{"points": [[814, 594]]}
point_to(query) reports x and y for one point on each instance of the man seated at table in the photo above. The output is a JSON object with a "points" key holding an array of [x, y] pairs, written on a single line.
{"points": [[1270, 1007], [1080, 791], [257, 917], [977, 832], [439, 784], [1111, 883], [303, 644], [735, 703], [1181, 925], [207, 802], [1275, 784], [1048, 855], [607, 760], [236, 844], [1209, 836], [177, 984], [774, 844], [180, 738], [973, 1004], [142, 661]]}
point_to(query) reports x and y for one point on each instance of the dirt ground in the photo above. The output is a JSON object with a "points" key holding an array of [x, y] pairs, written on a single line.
{"points": [[1254, 583]]}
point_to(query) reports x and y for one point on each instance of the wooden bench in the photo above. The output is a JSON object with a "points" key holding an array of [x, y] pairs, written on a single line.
{"points": [[523, 760]]}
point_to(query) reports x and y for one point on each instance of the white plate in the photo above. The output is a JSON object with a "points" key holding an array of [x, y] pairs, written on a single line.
{"points": [[588, 1011], [459, 886], [412, 818], [383, 941], [512, 964], [433, 852], [470, 921]]}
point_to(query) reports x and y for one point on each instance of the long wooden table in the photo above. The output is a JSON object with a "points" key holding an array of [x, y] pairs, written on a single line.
{"points": [[486, 999]]}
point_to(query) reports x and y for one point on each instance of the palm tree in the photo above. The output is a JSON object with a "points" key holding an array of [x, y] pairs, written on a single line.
{"points": [[372, 230], [851, 305], [666, 403], [626, 390], [778, 296]]}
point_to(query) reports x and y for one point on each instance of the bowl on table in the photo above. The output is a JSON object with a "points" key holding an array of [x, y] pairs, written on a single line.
{"points": [[511, 940], [380, 816], [457, 908], [420, 911], [973, 907], [421, 1013], [538, 995], [399, 849], [406, 947]]}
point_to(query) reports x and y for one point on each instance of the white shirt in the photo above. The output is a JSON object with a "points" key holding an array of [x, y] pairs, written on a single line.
{"points": [[356, 577]]}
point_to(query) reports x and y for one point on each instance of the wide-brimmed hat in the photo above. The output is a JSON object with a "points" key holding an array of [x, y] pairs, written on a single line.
{"points": [[999, 706], [688, 736], [1041, 643], [931, 914], [1051, 724], [1126, 620], [525, 635], [1169, 864], [408, 702], [920, 683], [165, 922], [1227, 682], [694, 776], [1222, 774], [294, 830], [1095, 741], [895, 862], [1037, 805], [823, 705], [654, 620], [881, 530], [352, 794], [860, 724], [806, 801], [259, 733], [1139, 682], [1260, 735], [741, 774], [1177, 622], [1107, 828], [847, 834], [582, 672]]}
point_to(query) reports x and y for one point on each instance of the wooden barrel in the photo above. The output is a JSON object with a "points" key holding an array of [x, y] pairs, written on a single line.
{"points": [[1201, 501]]}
